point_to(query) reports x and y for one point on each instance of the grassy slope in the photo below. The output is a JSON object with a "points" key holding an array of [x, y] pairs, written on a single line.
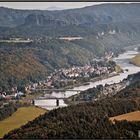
{"points": [[19, 118], [136, 60], [132, 116]]}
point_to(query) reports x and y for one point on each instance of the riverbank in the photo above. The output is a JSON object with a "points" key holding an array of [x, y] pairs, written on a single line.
{"points": [[96, 93], [91, 80]]}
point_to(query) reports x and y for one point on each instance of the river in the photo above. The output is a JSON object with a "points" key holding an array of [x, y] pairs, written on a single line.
{"points": [[122, 60]]}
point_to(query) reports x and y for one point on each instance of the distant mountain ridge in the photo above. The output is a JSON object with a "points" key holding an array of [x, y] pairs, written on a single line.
{"points": [[80, 21], [103, 13]]}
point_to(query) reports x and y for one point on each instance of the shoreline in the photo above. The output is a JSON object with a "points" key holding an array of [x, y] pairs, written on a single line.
{"points": [[96, 79], [66, 101], [92, 80]]}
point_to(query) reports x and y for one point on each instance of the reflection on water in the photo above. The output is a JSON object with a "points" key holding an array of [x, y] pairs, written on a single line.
{"points": [[49, 104], [122, 60]]}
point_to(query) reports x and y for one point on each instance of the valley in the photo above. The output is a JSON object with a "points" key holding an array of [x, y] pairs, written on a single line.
{"points": [[102, 87], [70, 73]]}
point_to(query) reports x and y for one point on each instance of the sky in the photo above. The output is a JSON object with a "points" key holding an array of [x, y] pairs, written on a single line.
{"points": [[46, 5]]}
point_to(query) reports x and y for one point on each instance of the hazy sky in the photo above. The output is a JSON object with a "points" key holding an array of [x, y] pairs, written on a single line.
{"points": [[45, 5]]}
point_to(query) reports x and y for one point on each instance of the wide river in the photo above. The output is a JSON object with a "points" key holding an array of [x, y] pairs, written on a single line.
{"points": [[122, 60]]}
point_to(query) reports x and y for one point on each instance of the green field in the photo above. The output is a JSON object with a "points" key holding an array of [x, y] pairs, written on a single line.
{"points": [[19, 118], [136, 60]]}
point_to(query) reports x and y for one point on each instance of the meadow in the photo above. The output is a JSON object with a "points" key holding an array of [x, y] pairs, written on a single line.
{"points": [[136, 60], [19, 118], [132, 116]]}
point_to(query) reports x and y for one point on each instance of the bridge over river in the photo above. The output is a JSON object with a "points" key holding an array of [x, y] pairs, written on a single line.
{"points": [[50, 97]]}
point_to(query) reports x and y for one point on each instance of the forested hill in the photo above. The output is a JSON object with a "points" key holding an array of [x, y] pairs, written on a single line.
{"points": [[82, 21], [25, 62], [87, 120]]}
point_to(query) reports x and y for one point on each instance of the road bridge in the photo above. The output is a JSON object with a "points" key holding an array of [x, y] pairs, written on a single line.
{"points": [[49, 97], [57, 90]]}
